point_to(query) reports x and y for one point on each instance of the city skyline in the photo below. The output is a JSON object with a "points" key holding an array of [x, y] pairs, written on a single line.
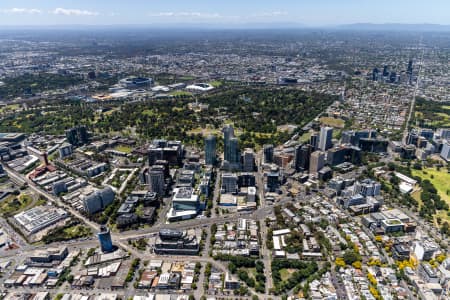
{"points": [[231, 14]]}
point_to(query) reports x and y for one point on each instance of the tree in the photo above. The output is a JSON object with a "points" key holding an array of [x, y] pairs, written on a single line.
{"points": [[350, 256], [340, 262]]}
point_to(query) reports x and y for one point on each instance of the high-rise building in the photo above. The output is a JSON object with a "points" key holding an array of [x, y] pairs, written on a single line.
{"points": [[228, 133], [445, 153], [367, 187], [77, 136], [326, 134], [385, 71], [317, 161], [173, 241], [301, 159], [184, 199], [156, 180], [393, 77], [343, 153], [233, 154], [104, 237], [410, 70], [248, 160], [65, 150], [229, 183], [268, 154], [98, 200], [314, 140], [230, 144], [170, 151], [210, 150], [375, 74], [273, 180]]}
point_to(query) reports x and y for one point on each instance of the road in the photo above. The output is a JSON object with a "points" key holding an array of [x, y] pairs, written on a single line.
{"points": [[413, 100], [265, 253]]}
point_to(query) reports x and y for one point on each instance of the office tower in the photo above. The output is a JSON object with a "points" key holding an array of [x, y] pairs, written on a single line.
{"points": [[375, 74], [411, 138], [156, 180], [248, 160], [83, 134], [393, 77], [297, 153], [344, 153], [228, 133], [104, 237], [326, 134], [77, 136], [367, 187], [314, 140], [410, 70], [232, 154], [184, 199], [230, 145], [386, 71], [445, 153], [268, 154], [301, 159], [317, 161], [210, 150], [427, 133], [72, 136], [65, 150], [176, 242], [170, 151], [273, 180], [98, 200], [229, 183]]}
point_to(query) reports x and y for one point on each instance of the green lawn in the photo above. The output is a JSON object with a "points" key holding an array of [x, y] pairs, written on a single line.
{"points": [[305, 137], [286, 273], [13, 204], [440, 180], [123, 148], [333, 122], [216, 83], [77, 231], [10, 107]]}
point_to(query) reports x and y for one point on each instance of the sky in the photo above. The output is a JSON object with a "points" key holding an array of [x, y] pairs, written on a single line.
{"points": [[222, 12]]}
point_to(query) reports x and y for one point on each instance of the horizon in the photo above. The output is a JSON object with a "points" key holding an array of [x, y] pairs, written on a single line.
{"points": [[321, 13]]}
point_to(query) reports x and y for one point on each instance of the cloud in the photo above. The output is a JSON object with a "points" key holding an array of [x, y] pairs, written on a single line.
{"points": [[271, 14], [186, 15], [73, 12], [16, 10]]}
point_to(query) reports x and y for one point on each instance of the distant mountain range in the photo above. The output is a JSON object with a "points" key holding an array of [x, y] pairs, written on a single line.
{"points": [[427, 27], [395, 27]]}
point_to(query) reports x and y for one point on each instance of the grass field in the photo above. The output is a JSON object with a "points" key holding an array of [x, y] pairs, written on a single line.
{"points": [[333, 122], [440, 180], [286, 273], [216, 83], [10, 107], [77, 231], [13, 204], [305, 137], [123, 148], [208, 130]]}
